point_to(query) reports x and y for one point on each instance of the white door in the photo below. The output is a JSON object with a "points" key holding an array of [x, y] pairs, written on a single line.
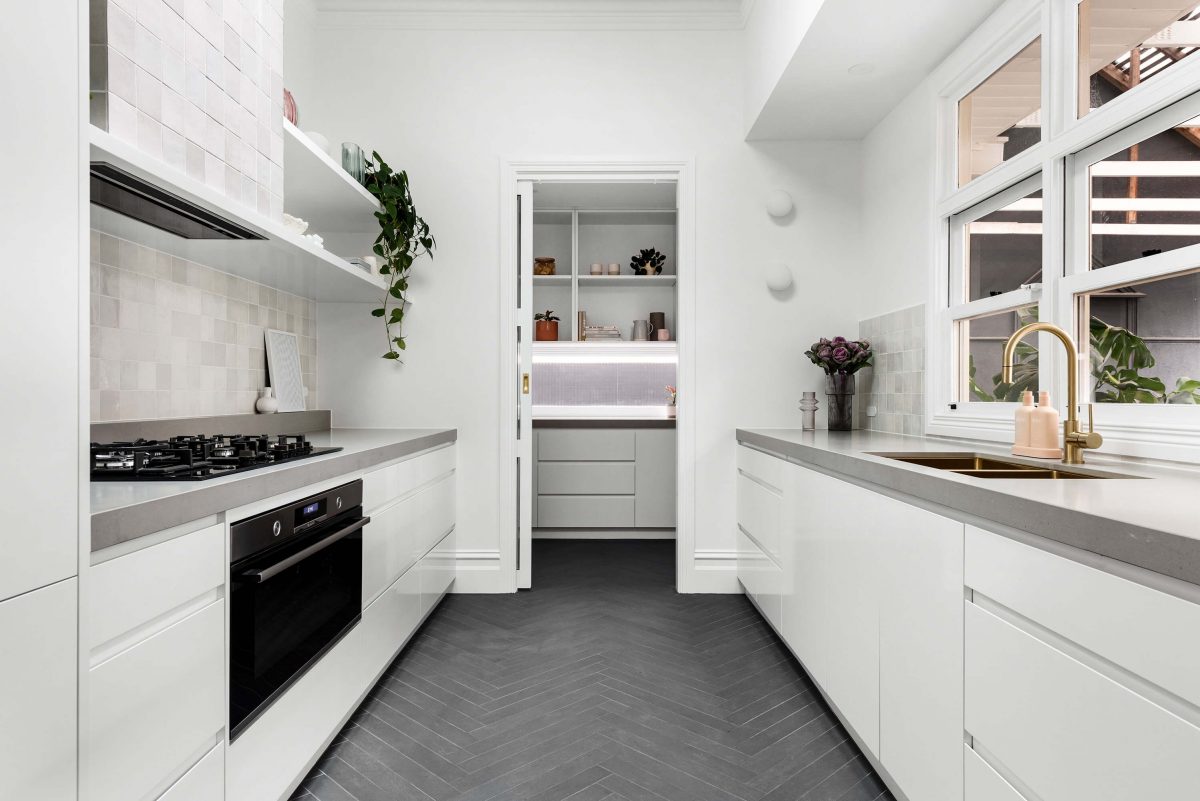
{"points": [[525, 466]]}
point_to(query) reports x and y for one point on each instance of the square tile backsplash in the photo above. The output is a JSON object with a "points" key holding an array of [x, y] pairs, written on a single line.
{"points": [[198, 85], [895, 383], [172, 338]]}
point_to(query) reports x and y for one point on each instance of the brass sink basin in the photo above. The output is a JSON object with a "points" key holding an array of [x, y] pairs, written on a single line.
{"points": [[977, 466]]}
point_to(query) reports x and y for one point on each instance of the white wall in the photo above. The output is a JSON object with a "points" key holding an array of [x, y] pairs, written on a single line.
{"points": [[449, 105]]}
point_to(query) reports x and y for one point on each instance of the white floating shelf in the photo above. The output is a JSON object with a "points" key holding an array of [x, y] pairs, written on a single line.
{"points": [[561, 280], [283, 260], [627, 280], [319, 191], [606, 351]]}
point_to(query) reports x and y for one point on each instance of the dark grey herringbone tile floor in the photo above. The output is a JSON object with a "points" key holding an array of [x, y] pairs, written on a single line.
{"points": [[600, 683]]}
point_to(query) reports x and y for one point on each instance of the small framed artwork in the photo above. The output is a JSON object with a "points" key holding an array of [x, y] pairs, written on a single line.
{"points": [[283, 369]]}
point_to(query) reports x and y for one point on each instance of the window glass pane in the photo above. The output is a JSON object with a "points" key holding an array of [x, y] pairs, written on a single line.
{"points": [[1146, 198], [982, 353], [1003, 250], [1002, 116], [1123, 43], [1144, 341]]}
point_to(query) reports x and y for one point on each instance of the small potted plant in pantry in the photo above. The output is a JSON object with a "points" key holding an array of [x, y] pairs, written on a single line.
{"points": [[545, 326], [672, 393], [840, 358]]}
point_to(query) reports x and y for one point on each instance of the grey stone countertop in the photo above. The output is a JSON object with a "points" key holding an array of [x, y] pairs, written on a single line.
{"points": [[126, 510], [1147, 518]]}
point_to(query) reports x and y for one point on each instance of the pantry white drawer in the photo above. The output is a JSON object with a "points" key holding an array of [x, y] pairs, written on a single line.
{"points": [[129, 592], [982, 783], [760, 512], [770, 470], [1065, 730], [204, 782], [586, 478], [761, 578], [586, 511], [385, 485], [153, 707], [586, 445], [1127, 623]]}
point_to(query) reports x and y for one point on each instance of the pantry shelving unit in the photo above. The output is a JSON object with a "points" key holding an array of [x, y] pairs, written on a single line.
{"points": [[282, 259], [579, 237]]}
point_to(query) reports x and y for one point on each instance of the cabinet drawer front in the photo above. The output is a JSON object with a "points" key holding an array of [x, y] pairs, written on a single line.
{"points": [[981, 783], [204, 782], [770, 470], [437, 572], [761, 578], [1065, 730], [132, 590], [586, 511], [152, 707], [385, 485], [760, 512], [1127, 623], [586, 478], [402, 533], [586, 445]]}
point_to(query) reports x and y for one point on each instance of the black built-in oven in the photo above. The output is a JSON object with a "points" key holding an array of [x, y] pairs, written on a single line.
{"points": [[296, 578]]}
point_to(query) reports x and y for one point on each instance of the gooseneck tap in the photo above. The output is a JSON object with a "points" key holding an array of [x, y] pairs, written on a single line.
{"points": [[1075, 442]]}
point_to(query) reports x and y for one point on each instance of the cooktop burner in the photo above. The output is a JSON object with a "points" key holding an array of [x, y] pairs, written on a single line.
{"points": [[197, 458]]}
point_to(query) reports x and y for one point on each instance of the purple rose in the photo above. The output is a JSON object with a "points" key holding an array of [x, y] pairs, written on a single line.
{"points": [[866, 344], [852, 347], [825, 353], [824, 341], [840, 355], [839, 340]]}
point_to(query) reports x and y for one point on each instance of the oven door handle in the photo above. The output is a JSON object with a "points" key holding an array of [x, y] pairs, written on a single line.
{"points": [[259, 576]]}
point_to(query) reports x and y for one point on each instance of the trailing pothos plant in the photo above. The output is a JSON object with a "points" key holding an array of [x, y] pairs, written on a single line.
{"points": [[403, 238]]}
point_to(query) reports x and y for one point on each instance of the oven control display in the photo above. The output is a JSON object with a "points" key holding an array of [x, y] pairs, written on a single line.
{"points": [[310, 512]]}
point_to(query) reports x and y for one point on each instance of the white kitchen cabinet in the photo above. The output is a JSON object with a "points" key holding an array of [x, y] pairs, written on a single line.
{"points": [[920, 649], [654, 499], [154, 707], [386, 485], [38, 676], [40, 224], [982, 783], [437, 573], [1065, 729], [586, 445], [870, 595]]}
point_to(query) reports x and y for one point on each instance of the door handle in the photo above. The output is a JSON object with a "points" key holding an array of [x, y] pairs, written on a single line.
{"points": [[524, 383]]}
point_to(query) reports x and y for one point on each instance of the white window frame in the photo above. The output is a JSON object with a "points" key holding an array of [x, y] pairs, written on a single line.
{"points": [[1069, 145]]}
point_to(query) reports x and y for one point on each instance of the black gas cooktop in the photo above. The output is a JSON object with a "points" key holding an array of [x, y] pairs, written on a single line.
{"points": [[197, 458]]}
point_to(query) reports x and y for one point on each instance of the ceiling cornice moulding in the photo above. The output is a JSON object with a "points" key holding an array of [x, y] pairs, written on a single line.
{"points": [[535, 14]]}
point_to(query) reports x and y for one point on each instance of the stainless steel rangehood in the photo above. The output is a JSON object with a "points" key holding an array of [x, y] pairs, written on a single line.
{"points": [[124, 193]]}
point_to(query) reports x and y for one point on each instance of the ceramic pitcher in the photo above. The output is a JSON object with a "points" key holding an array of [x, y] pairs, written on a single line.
{"points": [[642, 330]]}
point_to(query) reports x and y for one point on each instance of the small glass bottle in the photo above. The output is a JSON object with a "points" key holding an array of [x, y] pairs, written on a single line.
{"points": [[808, 405]]}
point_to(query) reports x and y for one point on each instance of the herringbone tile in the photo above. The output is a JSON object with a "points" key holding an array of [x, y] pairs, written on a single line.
{"points": [[601, 684]]}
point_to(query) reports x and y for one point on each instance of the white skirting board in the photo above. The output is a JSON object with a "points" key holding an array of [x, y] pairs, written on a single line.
{"points": [[604, 533], [478, 572]]}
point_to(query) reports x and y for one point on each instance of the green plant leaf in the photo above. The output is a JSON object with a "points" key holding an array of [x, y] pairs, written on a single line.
{"points": [[377, 312]]}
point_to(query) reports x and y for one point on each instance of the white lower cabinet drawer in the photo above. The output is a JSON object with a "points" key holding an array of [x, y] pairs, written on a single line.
{"points": [[981, 783], [385, 485], [586, 478], [1065, 730], [760, 512], [389, 619], [402, 533], [152, 707], [204, 782], [586, 511], [761, 578], [437, 572]]}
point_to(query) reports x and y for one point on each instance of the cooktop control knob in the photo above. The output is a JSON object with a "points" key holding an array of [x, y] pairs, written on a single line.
{"points": [[338, 502]]}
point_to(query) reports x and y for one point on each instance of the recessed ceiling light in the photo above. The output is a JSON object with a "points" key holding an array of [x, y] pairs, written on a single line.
{"points": [[861, 69]]}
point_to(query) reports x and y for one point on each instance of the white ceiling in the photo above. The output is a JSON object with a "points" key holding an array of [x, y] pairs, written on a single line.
{"points": [[539, 14], [817, 98]]}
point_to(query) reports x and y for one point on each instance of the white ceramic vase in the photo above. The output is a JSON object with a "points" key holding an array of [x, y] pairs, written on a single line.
{"points": [[267, 403]]}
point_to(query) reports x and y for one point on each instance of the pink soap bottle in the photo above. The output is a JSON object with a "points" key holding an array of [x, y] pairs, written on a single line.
{"points": [[1023, 424], [1044, 430]]}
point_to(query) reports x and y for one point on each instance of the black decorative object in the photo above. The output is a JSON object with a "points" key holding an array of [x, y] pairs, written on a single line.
{"points": [[648, 262]]}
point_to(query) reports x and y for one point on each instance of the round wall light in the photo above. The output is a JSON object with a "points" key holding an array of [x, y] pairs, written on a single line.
{"points": [[778, 276], [779, 203]]}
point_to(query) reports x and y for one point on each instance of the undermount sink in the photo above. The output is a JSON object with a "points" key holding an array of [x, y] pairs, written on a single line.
{"points": [[977, 466]]}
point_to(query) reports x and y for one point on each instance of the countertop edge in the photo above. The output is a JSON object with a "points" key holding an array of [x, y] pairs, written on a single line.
{"points": [[123, 524], [1158, 551]]}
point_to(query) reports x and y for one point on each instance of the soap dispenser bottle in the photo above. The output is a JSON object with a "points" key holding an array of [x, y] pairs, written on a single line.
{"points": [[1044, 430], [1023, 424]]}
